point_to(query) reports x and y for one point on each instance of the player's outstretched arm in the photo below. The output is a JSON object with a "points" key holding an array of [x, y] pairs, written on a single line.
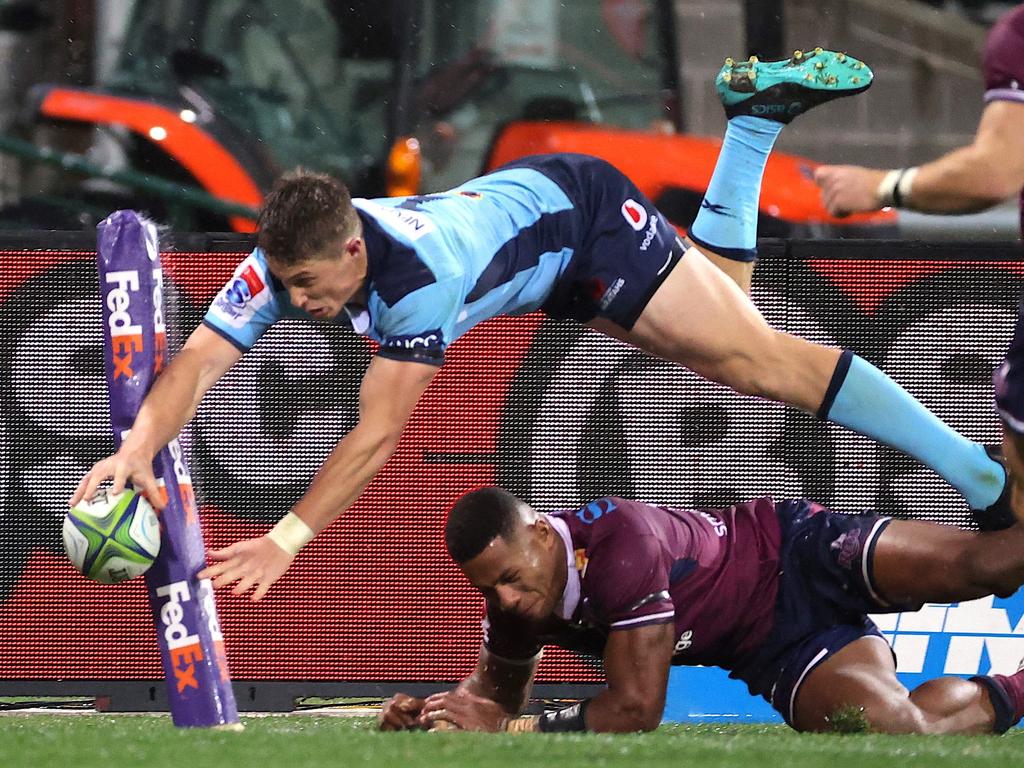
{"points": [[488, 699], [172, 401], [970, 178], [389, 393], [636, 665]]}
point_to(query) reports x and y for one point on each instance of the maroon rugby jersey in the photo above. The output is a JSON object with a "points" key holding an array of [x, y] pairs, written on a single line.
{"points": [[1004, 65], [713, 573]]}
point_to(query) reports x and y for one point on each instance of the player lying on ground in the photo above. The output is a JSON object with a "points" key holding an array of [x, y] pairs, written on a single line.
{"points": [[777, 593], [564, 233]]}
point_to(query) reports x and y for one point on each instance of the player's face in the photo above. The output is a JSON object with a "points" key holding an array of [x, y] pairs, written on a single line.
{"points": [[322, 285], [522, 575]]}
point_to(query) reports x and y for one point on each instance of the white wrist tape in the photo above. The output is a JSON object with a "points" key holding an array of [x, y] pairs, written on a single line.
{"points": [[887, 189], [291, 534], [904, 186], [896, 187]]}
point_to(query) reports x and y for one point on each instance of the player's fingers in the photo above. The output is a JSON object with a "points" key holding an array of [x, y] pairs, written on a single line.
{"points": [[435, 702], [231, 573], [79, 492], [120, 478], [245, 584], [152, 490], [222, 554], [261, 591], [214, 570]]}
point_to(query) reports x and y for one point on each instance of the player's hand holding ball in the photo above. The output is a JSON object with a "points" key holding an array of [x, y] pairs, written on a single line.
{"points": [[461, 710], [400, 713], [111, 537]]}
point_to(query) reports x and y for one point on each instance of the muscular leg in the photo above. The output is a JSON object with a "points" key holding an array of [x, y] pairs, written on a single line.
{"points": [[862, 675], [916, 562], [701, 319]]}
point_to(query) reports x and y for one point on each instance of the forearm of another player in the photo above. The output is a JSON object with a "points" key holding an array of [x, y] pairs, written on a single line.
{"points": [[969, 179]]}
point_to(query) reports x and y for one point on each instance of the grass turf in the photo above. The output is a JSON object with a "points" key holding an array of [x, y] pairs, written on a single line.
{"points": [[296, 741]]}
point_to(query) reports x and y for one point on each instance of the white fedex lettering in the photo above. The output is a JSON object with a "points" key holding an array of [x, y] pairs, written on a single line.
{"points": [[171, 614], [118, 301]]}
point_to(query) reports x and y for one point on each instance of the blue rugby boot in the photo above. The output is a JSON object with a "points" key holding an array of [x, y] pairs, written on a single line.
{"points": [[781, 90], [999, 515]]}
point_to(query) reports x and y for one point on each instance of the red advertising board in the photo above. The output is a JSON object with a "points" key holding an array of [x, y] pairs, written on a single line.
{"points": [[550, 410]]}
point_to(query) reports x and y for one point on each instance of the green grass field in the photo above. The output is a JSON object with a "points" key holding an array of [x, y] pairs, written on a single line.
{"points": [[67, 741]]}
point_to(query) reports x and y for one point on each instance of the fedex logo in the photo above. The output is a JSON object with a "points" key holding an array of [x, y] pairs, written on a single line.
{"points": [[159, 325], [185, 649], [125, 336]]}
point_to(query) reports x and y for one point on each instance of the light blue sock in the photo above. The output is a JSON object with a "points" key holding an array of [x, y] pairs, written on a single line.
{"points": [[862, 398], [727, 220]]}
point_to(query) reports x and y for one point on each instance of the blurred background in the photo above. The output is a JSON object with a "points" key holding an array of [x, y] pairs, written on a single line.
{"points": [[190, 108]]}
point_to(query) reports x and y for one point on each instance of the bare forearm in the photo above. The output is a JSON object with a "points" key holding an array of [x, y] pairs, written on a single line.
{"points": [[169, 406], [966, 180], [342, 478], [505, 681]]}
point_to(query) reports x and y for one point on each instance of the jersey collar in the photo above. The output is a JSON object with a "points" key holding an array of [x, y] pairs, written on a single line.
{"points": [[571, 595]]}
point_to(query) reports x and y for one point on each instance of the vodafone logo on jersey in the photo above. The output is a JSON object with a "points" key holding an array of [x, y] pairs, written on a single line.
{"points": [[635, 214]]}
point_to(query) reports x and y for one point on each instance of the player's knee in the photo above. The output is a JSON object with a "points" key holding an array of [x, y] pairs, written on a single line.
{"points": [[897, 715], [771, 374]]}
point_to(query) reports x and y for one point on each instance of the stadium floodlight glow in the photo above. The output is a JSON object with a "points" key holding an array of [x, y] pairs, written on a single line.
{"points": [[158, 133], [187, 116]]}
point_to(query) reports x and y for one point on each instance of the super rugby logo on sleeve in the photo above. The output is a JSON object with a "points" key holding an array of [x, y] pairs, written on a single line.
{"points": [[244, 295], [634, 214]]}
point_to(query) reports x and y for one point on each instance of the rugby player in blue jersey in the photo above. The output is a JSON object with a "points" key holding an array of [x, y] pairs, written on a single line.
{"points": [[778, 593], [567, 234]]}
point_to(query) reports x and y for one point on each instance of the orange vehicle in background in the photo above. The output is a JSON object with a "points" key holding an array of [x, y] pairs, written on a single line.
{"points": [[396, 97]]}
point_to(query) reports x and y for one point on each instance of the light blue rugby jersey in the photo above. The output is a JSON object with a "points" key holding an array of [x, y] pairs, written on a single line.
{"points": [[438, 265]]}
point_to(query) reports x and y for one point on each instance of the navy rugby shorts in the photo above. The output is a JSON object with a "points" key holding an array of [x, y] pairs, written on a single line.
{"points": [[825, 592], [628, 249]]}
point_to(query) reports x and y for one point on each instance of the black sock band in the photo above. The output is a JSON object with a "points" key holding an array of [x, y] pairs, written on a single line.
{"points": [[1001, 703], [838, 377]]}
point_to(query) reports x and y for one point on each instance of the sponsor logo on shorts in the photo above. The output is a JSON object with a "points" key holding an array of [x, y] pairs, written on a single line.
{"points": [[848, 547], [652, 230], [611, 293], [634, 214]]}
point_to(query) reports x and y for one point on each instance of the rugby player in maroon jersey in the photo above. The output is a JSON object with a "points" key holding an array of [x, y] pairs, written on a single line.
{"points": [[778, 593]]}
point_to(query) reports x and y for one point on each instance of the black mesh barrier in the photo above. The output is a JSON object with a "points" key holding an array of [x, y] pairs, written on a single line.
{"points": [[550, 410]]}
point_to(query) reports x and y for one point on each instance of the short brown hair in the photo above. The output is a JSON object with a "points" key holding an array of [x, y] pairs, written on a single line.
{"points": [[303, 214]]}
